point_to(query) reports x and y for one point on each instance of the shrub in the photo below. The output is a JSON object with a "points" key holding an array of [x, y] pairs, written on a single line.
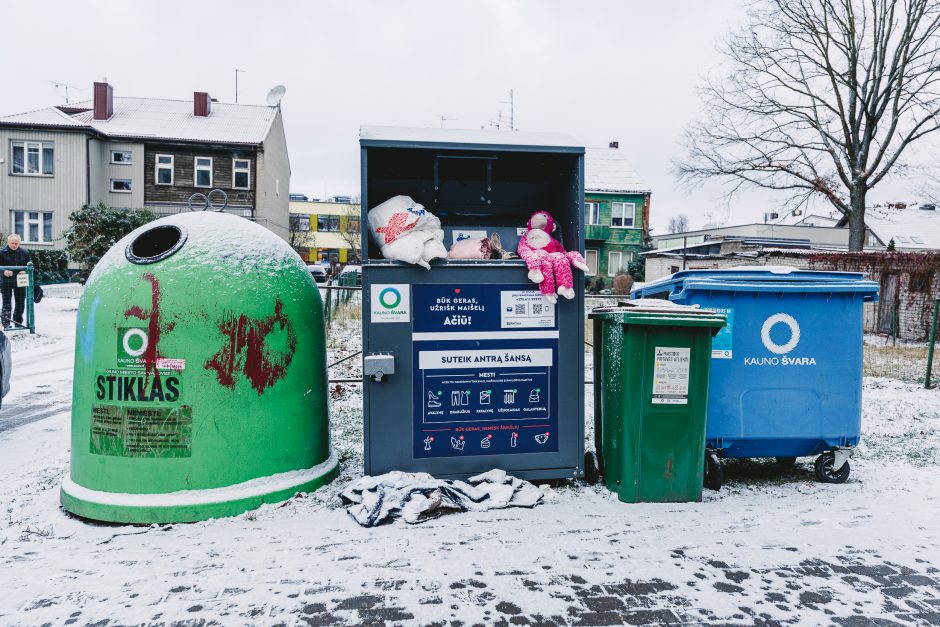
{"points": [[622, 284], [51, 266], [95, 229]]}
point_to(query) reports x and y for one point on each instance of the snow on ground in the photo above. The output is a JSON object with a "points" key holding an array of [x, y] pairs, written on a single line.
{"points": [[772, 547]]}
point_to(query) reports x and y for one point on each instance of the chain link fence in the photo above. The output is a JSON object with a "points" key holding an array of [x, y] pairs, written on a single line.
{"points": [[884, 354]]}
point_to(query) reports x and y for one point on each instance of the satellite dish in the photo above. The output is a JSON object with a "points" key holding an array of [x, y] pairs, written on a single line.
{"points": [[275, 95]]}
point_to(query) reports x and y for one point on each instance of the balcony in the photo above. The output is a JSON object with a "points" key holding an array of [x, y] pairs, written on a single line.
{"points": [[596, 232]]}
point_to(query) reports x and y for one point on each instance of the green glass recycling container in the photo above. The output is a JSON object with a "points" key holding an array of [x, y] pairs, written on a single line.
{"points": [[200, 386]]}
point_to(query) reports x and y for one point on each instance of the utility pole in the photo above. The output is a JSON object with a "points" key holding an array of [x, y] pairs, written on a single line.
{"points": [[512, 110], [444, 118], [236, 83]]}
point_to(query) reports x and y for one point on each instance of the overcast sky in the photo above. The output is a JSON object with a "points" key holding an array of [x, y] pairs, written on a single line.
{"points": [[598, 70]]}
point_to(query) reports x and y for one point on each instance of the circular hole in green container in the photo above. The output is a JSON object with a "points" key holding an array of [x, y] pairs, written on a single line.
{"points": [[155, 244]]}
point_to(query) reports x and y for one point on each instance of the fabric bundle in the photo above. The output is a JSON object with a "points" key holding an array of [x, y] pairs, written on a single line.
{"points": [[417, 497]]}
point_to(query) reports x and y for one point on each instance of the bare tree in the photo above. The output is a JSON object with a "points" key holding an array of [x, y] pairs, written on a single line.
{"points": [[820, 97], [299, 236], [351, 234], [679, 223]]}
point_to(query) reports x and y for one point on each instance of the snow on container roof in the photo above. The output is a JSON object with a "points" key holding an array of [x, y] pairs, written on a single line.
{"points": [[398, 135], [607, 170]]}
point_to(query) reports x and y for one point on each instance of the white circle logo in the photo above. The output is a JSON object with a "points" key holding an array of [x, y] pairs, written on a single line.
{"points": [[773, 347], [135, 352]]}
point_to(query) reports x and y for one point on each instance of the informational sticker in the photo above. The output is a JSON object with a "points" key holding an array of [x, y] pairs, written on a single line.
{"points": [[482, 386], [391, 302], [22, 279], [141, 431], [721, 344], [459, 235], [522, 310], [520, 231], [671, 376]]}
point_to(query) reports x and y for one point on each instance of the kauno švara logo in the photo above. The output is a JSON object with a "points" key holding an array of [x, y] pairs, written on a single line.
{"points": [[771, 342], [390, 298], [770, 323], [134, 342]]}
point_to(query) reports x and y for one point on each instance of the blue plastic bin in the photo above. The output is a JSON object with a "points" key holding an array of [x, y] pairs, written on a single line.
{"points": [[787, 368]]}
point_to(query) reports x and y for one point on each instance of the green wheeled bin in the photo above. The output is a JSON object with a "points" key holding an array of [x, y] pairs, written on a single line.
{"points": [[651, 369]]}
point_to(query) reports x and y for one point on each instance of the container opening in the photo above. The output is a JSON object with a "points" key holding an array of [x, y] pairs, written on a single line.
{"points": [[155, 244]]}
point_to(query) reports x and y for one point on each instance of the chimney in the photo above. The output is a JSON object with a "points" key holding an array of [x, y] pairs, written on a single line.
{"points": [[615, 144], [104, 101], [202, 104]]}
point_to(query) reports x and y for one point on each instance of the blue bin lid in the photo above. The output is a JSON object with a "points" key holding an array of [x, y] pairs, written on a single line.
{"points": [[773, 279]]}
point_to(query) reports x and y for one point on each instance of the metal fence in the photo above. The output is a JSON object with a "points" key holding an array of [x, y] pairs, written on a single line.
{"points": [[884, 354]]}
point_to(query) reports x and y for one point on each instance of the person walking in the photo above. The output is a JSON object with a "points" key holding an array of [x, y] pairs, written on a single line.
{"points": [[13, 254]]}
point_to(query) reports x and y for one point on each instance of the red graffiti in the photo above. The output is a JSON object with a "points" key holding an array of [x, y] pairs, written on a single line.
{"points": [[153, 325], [244, 350]]}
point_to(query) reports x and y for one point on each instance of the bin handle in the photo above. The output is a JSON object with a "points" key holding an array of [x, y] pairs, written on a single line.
{"points": [[868, 289]]}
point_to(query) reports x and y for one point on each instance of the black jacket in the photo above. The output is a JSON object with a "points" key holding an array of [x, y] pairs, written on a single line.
{"points": [[18, 257]]}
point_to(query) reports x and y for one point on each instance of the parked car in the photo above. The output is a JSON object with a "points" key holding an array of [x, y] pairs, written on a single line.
{"points": [[6, 366], [318, 272]]}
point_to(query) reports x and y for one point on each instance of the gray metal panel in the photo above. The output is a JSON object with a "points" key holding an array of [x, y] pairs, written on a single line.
{"points": [[434, 138], [388, 410]]}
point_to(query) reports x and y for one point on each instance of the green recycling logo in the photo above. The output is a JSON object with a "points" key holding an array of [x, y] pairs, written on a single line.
{"points": [[390, 298]]}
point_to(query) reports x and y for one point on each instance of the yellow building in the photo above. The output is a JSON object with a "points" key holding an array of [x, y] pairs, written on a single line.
{"points": [[325, 230]]}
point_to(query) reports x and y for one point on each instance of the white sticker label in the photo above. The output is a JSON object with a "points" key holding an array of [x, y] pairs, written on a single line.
{"points": [[391, 302], [458, 235], [509, 358], [22, 279], [671, 376], [520, 310]]}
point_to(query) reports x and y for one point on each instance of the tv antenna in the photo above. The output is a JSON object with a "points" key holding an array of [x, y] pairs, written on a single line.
{"points": [[276, 95], [444, 118], [236, 83], [65, 86], [512, 110]]}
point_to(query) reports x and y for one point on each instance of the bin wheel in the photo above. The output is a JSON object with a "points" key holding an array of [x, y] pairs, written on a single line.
{"points": [[713, 474], [786, 462], [825, 473], [591, 468]]}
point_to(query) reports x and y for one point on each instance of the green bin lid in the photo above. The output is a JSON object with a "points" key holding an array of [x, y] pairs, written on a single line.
{"points": [[655, 311]]}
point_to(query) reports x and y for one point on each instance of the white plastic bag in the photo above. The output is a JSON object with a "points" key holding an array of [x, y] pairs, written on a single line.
{"points": [[406, 231]]}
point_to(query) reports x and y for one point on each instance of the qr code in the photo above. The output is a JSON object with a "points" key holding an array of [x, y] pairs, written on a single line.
{"points": [[537, 309], [520, 309]]}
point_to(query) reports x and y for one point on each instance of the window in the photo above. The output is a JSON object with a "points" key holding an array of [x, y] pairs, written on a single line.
{"points": [[32, 158], [352, 224], [590, 256], [299, 222], [203, 174], [241, 174], [593, 213], [122, 186], [164, 170], [328, 223], [33, 227], [618, 261], [622, 214], [122, 157]]}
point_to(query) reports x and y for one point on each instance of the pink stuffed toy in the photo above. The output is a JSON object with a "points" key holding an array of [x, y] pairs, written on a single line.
{"points": [[549, 265]]}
